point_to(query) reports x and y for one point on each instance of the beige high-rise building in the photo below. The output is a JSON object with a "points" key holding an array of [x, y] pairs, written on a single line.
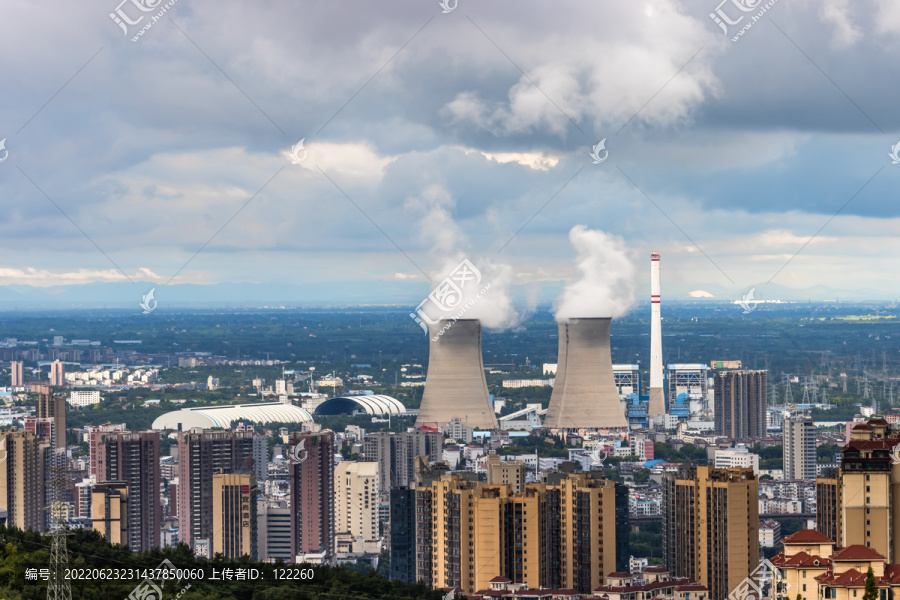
{"points": [[559, 534], [17, 375], [234, 514], [109, 511], [22, 479], [53, 407], [510, 473], [356, 506], [711, 527], [870, 490], [828, 505], [740, 404], [799, 448]]}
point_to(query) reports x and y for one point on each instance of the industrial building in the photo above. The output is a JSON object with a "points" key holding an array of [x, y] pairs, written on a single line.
{"points": [[656, 407], [711, 526], [454, 383], [585, 394], [687, 388]]}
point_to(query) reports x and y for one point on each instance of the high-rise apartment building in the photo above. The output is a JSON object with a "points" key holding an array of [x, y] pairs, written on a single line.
{"points": [[740, 404], [57, 373], [558, 534], [395, 454], [711, 526], [17, 373], [93, 439], [202, 454], [109, 511], [51, 406], [234, 515], [22, 480], [311, 470], [799, 448], [356, 506], [870, 490], [828, 505], [274, 531], [133, 458], [510, 473]]}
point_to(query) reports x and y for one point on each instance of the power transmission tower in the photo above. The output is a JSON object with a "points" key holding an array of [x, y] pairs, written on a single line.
{"points": [[58, 587], [805, 399], [867, 392], [788, 395], [774, 394]]}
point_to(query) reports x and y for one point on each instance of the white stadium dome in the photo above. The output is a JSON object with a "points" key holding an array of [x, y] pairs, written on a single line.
{"points": [[375, 404], [209, 417]]}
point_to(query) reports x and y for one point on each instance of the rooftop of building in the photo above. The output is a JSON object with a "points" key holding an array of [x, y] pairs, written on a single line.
{"points": [[856, 552], [807, 536]]}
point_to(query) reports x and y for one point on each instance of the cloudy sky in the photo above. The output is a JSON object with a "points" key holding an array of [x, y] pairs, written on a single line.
{"points": [[429, 135]]}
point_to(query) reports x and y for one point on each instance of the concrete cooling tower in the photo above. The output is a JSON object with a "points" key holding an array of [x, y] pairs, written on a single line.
{"points": [[455, 384], [584, 394]]}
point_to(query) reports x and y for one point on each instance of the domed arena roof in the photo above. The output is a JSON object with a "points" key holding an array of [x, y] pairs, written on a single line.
{"points": [[209, 417], [371, 405]]}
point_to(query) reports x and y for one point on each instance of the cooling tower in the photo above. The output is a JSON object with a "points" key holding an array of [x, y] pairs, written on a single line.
{"points": [[657, 404], [455, 384], [584, 394]]}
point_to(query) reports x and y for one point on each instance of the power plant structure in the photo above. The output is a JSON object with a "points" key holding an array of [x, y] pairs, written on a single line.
{"points": [[584, 394], [657, 404], [454, 383]]}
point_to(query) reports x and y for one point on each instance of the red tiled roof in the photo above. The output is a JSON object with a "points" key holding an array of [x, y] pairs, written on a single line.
{"points": [[807, 536], [619, 575], [878, 421], [656, 570], [800, 559], [647, 587], [500, 579], [694, 587], [856, 552], [851, 578], [861, 426], [546, 592]]}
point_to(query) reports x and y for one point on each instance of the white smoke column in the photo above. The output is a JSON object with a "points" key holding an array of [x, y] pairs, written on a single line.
{"points": [[606, 284], [490, 299]]}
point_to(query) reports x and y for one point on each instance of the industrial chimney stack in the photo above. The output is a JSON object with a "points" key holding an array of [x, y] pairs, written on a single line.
{"points": [[657, 394], [454, 384], [585, 394]]}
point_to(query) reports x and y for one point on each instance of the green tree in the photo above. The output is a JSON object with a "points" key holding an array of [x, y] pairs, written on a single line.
{"points": [[871, 592]]}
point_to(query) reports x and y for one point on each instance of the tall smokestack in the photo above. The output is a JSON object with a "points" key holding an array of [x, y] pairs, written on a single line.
{"points": [[585, 393], [657, 395], [455, 384]]}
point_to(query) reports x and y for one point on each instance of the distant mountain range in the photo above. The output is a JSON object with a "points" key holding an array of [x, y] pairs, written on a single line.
{"points": [[402, 293]]}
